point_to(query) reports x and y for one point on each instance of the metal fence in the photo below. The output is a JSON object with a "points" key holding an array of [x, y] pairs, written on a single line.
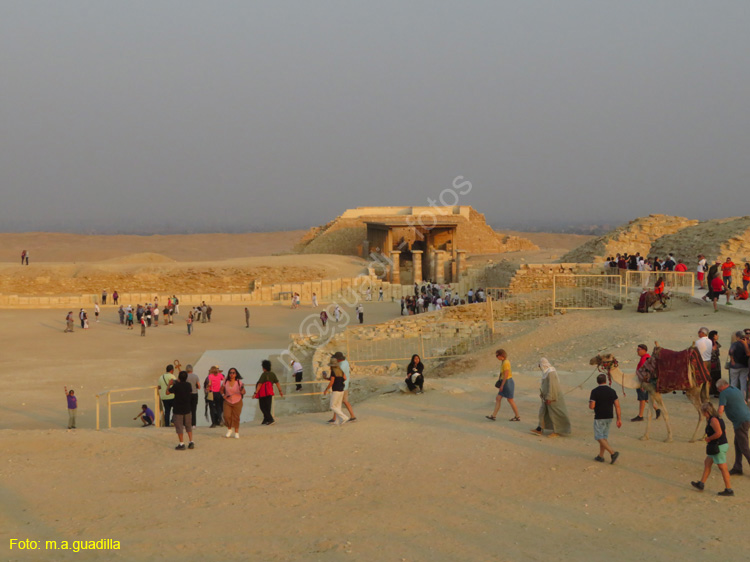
{"points": [[681, 284], [511, 306], [438, 340], [586, 292]]}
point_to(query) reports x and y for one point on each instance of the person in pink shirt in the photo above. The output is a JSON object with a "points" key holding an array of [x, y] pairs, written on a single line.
{"points": [[212, 386], [232, 391]]}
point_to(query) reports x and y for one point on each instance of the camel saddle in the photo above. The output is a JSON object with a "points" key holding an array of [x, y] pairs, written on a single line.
{"points": [[675, 370]]}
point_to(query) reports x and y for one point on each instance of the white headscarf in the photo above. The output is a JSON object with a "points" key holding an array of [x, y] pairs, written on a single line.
{"points": [[546, 367]]}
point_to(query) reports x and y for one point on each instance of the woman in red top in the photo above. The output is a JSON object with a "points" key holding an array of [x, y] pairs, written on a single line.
{"points": [[746, 277], [659, 287]]}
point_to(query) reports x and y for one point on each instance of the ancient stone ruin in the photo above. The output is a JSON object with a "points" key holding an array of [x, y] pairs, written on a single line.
{"points": [[418, 243], [636, 236]]}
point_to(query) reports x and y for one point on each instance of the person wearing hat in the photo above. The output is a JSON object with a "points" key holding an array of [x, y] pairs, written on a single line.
{"points": [[336, 388], [215, 402], [346, 369]]}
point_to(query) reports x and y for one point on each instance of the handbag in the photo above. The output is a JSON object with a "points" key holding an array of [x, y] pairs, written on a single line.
{"points": [[210, 396], [498, 383], [712, 447]]}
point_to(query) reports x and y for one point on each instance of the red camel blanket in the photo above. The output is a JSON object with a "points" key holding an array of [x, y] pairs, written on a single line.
{"points": [[673, 368]]}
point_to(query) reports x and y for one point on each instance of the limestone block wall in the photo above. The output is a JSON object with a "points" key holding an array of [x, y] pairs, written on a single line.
{"points": [[538, 277], [347, 291]]}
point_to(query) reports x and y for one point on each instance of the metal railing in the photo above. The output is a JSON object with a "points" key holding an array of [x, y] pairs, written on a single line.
{"points": [[586, 292], [681, 284], [110, 403]]}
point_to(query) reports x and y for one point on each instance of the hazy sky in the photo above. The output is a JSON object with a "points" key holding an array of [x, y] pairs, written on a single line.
{"points": [[180, 115]]}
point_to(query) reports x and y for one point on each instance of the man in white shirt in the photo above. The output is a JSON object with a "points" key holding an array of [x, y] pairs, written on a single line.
{"points": [[701, 274], [704, 346], [297, 369]]}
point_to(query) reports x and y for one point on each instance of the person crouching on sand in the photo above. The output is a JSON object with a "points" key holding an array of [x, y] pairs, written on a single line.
{"points": [[146, 415], [552, 413], [506, 387]]}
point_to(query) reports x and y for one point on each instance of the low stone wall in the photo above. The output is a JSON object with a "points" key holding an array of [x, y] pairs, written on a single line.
{"points": [[539, 277], [348, 290]]}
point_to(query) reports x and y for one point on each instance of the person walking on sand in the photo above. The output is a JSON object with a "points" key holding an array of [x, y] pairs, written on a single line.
{"points": [[361, 313], [336, 388], [733, 403], [212, 384], [232, 391], [247, 317], [506, 387], [701, 271], [323, 318], [603, 400], [115, 298], [264, 391], [314, 300], [72, 407], [121, 314], [69, 322], [96, 312], [143, 326], [552, 413], [189, 322], [23, 256], [85, 320], [716, 449], [27, 256], [642, 395], [346, 369], [104, 297], [182, 391], [337, 313]]}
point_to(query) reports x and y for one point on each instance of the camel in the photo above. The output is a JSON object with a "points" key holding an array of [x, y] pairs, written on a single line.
{"points": [[696, 394]]}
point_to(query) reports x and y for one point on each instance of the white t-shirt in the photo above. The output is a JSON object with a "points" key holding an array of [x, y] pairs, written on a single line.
{"points": [[297, 367], [701, 265], [705, 346]]}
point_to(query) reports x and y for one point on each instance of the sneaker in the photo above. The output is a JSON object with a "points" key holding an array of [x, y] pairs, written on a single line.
{"points": [[180, 447], [331, 422], [352, 420], [597, 458], [229, 433], [637, 418], [236, 435], [658, 414], [735, 471], [614, 457], [537, 432], [191, 445], [726, 492], [698, 485]]}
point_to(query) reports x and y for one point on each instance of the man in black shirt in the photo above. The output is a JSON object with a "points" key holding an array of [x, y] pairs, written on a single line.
{"points": [[603, 401], [182, 407]]}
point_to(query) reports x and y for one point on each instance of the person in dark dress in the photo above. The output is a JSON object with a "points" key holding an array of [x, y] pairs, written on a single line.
{"points": [[415, 374]]}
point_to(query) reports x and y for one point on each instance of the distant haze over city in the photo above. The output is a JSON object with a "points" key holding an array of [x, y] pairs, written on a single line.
{"points": [[185, 116]]}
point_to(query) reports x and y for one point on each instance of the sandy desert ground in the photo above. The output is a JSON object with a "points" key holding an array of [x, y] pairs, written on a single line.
{"points": [[416, 478]]}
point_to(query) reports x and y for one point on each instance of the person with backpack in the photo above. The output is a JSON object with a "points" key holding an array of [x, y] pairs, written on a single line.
{"points": [[264, 391]]}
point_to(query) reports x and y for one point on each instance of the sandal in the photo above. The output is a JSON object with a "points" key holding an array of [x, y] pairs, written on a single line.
{"points": [[515, 419], [493, 418]]}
